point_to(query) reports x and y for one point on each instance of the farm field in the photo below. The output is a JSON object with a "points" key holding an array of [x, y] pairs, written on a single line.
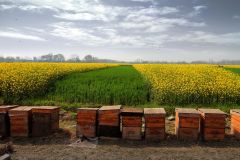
{"points": [[116, 85], [21, 80], [141, 85]]}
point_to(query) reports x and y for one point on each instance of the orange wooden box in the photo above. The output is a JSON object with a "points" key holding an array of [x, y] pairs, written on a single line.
{"points": [[213, 124], [109, 115], [4, 120], [154, 123], [20, 121], [87, 122], [188, 123], [235, 122], [45, 120], [132, 117], [87, 116]]}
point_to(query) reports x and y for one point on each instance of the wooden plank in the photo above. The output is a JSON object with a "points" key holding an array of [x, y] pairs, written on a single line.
{"points": [[187, 112], [20, 121], [45, 109], [109, 115], [235, 117], [212, 113], [132, 133], [154, 133], [214, 122], [191, 134], [45, 120], [154, 111], [132, 112], [87, 116], [212, 134], [132, 121], [5, 109], [109, 131], [87, 131], [154, 121], [189, 122], [105, 108], [4, 125]]}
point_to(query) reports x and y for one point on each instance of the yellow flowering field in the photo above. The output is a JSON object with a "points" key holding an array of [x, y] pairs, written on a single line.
{"points": [[18, 80], [187, 84]]}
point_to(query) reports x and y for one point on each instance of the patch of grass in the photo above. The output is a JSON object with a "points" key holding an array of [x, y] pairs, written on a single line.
{"points": [[235, 70], [117, 85]]}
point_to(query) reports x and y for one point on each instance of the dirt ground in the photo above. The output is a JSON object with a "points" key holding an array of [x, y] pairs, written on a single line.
{"points": [[56, 147]]}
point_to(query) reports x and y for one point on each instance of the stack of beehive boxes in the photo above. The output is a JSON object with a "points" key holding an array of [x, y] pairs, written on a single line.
{"points": [[213, 124], [109, 121], [87, 122], [235, 122], [20, 121], [132, 123], [45, 120], [4, 120], [154, 123], [188, 123]]}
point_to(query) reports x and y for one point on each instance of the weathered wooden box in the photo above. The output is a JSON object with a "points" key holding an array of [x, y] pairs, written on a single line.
{"points": [[4, 120], [154, 123], [235, 122], [45, 120], [109, 121], [213, 124], [20, 121], [188, 124], [87, 122], [132, 123]]}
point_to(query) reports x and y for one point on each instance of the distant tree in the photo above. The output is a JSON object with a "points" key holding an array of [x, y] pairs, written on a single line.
{"points": [[74, 58], [47, 58], [9, 59], [58, 58], [90, 58]]}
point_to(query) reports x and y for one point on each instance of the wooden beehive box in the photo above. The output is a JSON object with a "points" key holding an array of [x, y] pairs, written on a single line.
{"points": [[4, 120], [87, 122], [45, 120], [188, 124], [20, 121], [132, 123], [154, 123], [235, 122], [213, 124], [109, 121]]}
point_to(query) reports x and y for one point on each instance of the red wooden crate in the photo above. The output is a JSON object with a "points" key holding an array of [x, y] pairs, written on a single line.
{"points": [[4, 120], [87, 116], [235, 122], [20, 121], [45, 120], [109, 115], [154, 133], [188, 123], [213, 124]]}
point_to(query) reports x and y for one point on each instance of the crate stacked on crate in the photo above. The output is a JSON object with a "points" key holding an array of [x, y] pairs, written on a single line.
{"points": [[188, 124], [87, 122], [109, 121], [132, 123], [154, 123], [235, 122], [21, 121], [45, 120], [4, 120], [213, 124]]}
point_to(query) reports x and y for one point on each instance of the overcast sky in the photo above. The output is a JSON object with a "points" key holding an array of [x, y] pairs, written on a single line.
{"points": [[169, 30]]}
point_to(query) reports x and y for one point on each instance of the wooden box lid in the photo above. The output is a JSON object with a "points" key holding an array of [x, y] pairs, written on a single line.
{"points": [[45, 109], [236, 111], [88, 109], [152, 111], [116, 107], [132, 112], [5, 109], [187, 112], [20, 110], [212, 112]]}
